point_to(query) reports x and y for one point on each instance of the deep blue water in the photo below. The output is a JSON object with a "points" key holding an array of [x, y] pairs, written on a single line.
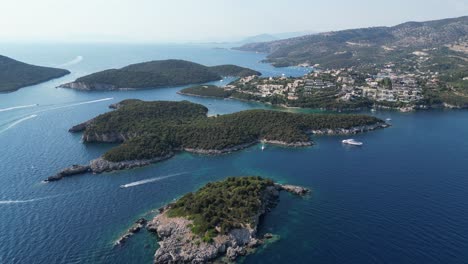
{"points": [[401, 198]]}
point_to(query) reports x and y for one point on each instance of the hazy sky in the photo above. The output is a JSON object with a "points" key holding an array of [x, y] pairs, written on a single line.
{"points": [[203, 20]]}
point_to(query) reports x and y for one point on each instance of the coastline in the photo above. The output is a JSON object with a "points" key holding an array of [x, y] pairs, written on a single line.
{"points": [[100, 165], [402, 109], [179, 244]]}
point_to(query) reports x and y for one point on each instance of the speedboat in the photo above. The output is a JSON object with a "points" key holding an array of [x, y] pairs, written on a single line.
{"points": [[263, 147], [352, 142]]}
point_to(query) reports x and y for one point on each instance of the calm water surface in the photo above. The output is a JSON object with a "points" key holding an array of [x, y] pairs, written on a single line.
{"points": [[401, 198]]}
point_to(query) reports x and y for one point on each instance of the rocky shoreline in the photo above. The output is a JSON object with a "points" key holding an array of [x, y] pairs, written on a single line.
{"points": [[179, 245], [101, 165], [349, 131], [81, 86]]}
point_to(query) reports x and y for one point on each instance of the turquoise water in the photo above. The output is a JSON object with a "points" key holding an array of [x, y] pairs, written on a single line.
{"points": [[401, 198]]}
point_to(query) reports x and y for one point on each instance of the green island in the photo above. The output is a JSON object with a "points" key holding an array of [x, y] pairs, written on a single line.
{"points": [[153, 131], [220, 220], [414, 65], [15, 74], [155, 74]]}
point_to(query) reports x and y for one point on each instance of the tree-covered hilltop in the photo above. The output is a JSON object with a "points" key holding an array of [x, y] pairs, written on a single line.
{"points": [[15, 74], [150, 130], [156, 74], [234, 70], [221, 206], [206, 91]]}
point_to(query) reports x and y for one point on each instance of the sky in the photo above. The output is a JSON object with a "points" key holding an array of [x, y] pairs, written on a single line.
{"points": [[203, 20]]}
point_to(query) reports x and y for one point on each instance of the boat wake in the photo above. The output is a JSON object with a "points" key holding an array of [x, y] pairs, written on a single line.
{"points": [[76, 60], [17, 107], [17, 122], [76, 104], [22, 201], [40, 198], [137, 183], [34, 114]]}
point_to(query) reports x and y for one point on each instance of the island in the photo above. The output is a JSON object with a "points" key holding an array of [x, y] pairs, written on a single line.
{"points": [[414, 65], [154, 131], [15, 74], [156, 74], [219, 222]]}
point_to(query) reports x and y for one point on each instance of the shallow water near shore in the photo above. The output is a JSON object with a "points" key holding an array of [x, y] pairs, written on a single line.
{"points": [[400, 198]]}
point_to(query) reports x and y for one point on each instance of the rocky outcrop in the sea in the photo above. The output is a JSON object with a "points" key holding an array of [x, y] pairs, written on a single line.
{"points": [[136, 227], [178, 244], [73, 170], [298, 190], [101, 165]]}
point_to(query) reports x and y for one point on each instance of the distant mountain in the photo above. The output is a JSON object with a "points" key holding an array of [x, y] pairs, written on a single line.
{"points": [[260, 38], [366, 45], [15, 74], [155, 74]]}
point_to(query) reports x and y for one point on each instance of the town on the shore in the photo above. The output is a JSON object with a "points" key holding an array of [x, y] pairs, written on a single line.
{"points": [[389, 86]]}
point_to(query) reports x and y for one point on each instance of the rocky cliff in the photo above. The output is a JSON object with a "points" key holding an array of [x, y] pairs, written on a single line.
{"points": [[178, 244]]}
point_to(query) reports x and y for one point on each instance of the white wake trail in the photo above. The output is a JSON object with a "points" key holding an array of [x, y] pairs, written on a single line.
{"points": [[133, 184], [17, 122], [38, 199], [17, 107], [22, 201], [76, 60], [76, 104]]}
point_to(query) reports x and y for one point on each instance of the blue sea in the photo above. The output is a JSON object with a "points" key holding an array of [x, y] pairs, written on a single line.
{"points": [[401, 198]]}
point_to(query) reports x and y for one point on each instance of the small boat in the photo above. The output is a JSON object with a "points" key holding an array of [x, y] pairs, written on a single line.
{"points": [[388, 119], [373, 110], [352, 142], [263, 147]]}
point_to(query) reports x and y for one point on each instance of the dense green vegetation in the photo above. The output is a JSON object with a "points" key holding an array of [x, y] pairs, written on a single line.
{"points": [[223, 205], [15, 74], [154, 129], [207, 91], [162, 73], [233, 70]]}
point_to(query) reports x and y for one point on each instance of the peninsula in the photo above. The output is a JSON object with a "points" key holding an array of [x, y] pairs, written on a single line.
{"points": [[15, 74], [220, 220], [156, 74], [155, 131]]}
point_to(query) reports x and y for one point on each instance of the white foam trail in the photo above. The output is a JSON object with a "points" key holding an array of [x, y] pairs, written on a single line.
{"points": [[76, 60], [37, 199], [17, 107], [22, 201], [76, 104], [17, 122], [133, 184]]}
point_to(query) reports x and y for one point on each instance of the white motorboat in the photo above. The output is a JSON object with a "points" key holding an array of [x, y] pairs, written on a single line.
{"points": [[352, 142]]}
